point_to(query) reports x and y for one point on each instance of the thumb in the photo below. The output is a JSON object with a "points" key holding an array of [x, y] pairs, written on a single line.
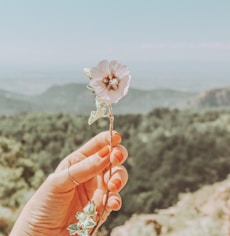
{"points": [[84, 170]]}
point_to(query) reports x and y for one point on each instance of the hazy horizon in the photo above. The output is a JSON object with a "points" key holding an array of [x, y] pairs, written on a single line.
{"points": [[182, 45], [181, 76]]}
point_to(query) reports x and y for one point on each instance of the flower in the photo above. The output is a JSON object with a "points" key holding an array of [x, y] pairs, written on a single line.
{"points": [[109, 80]]}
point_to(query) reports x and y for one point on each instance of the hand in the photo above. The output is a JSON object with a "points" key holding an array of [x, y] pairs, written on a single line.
{"points": [[54, 205]]}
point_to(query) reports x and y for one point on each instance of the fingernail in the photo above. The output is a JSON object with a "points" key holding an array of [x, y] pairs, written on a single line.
{"points": [[104, 151], [117, 183], [116, 138], [119, 156]]}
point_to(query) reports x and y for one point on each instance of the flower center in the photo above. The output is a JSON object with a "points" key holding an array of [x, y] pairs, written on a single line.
{"points": [[111, 82]]}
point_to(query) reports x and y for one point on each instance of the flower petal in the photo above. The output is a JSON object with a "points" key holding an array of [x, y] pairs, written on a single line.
{"points": [[106, 90], [122, 71], [113, 66], [101, 70]]}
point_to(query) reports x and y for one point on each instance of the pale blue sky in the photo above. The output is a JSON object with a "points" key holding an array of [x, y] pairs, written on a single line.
{"points": [[166, 43]]}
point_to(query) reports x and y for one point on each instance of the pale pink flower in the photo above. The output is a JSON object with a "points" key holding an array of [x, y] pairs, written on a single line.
{"points": [[110, 80]]}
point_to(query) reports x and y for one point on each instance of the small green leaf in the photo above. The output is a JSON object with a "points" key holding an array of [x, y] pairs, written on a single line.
{"points": [[81, 216], [90, 209], [87, 72], [95, 115], [99, 103], [90, 223], [73, 229], [100, 112], [90, 88]]}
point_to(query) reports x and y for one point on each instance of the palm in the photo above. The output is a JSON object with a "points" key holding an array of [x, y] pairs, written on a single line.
{"points": [[54, 205], [67, 204]]}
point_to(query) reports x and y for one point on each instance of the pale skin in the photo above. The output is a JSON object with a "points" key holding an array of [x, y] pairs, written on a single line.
{"points": [[54, 205]]}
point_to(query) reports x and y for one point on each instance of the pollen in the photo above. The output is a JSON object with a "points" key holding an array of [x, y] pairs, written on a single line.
{"points": [[111, 82]]}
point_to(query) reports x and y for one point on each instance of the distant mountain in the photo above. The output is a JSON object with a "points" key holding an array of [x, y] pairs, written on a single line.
{"points": [[14, 95], [68, 98], [75, 98], [216, 98], [143, 101], [11, 103]]}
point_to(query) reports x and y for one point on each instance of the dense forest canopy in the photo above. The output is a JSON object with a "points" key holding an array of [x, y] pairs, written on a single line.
{"points": [[170, 151]]}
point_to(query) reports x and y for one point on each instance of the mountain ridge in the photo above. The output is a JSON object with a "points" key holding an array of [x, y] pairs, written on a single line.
{"points": [[75, 98], [215, 98]]}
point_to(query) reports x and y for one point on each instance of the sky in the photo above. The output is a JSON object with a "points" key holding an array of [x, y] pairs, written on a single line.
{"points": [[178, 44]]}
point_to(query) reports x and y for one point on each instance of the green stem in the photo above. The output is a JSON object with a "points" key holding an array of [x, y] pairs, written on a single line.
{"points": [[111, 122]]}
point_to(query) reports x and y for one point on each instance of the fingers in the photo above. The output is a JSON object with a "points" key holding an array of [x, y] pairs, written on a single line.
{"points": [[90, 148], [98, 142], [114, 204], [119, 155], [90, 167], [118, 179]]}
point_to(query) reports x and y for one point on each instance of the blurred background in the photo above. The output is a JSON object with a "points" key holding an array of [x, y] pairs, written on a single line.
{"points": [[175, 120]]}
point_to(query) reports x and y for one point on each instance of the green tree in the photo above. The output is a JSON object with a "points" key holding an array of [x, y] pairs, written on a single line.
{"points": [[19, 177]]}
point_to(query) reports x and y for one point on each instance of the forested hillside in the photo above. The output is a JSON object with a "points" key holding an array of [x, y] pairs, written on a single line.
{"points": [[170, 151]]}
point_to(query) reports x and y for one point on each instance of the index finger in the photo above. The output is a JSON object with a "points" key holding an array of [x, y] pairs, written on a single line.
{"points": [[98, 142], [92, 146]]}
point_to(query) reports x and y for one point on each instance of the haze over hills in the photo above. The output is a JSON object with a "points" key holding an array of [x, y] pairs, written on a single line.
{"points": [[75, 98], [216, 98], [195, 77]]}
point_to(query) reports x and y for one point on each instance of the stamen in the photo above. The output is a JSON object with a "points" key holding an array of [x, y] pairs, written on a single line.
{"points": [[111, 82], [114, 83]]}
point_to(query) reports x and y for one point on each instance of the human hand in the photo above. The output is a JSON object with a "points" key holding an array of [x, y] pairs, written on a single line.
{"points": [[54, 205]]}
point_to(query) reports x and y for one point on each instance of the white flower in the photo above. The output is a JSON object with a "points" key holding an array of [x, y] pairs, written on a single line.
{"points": [[109, 80]]}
